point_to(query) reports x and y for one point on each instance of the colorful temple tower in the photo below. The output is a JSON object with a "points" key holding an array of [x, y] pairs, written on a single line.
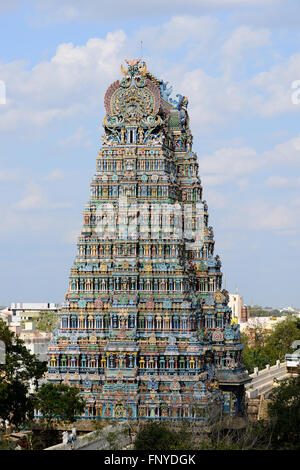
{"points": [[145, 330]]}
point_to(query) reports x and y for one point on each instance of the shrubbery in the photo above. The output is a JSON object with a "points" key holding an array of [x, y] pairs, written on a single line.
{"points": [[261, 349]]}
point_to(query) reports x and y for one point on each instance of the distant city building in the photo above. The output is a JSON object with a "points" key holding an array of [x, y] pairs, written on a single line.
{"points": [[26, 311], [239, 311], [17, 315], [289, 310], [267, 323], [15, 328], [245, 314], [27, 306], [235, 303], [293, 359], [6, 316], [35, 341]]}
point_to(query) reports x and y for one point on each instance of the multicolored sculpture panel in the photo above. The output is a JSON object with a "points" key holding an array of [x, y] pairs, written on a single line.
{"points": [[145, 330]]}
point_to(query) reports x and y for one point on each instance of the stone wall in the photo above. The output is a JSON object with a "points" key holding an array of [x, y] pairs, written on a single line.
{"points": [[264, 380]]}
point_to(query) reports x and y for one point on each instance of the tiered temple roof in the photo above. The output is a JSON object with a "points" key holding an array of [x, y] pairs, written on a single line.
{"points": [[145, 329]]}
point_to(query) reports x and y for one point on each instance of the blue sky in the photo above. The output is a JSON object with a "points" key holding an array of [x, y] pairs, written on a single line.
{"points": [[235, 60]]}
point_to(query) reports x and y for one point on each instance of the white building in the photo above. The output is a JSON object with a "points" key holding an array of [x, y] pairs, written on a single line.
{"points": [[265, 322], [5, 315], [26, 311], [290, 310], [35, 341], [293, 359], [23, 306], [235, 303]]}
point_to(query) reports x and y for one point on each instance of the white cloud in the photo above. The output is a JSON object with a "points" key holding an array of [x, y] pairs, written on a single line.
{"points": [[235, 163], [54, 175], [35, 199], [262, 216], [240, 43], [214, 198], [67, 13], [243, 183], [9, 175], [50, 224], [177, 31], [7, 6], [283, 182], [71, 236], [275, 87], [228, 164], [277, 14], [295, 202], [62, 11], [78, 139], [218, 99], [287, 153], [73, 82], [214, 101]]}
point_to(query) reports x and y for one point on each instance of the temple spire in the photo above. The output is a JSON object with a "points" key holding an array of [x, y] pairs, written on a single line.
{"points": [[145, 330]]}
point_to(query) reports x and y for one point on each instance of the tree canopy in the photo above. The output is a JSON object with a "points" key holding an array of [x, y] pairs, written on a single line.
{"points": [[159, 436], [261, 349], [280, 340], [58, 402], [284, 411], [21, 367]]}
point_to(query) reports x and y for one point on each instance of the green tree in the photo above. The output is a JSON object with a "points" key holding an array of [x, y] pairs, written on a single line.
{"points": [[279, 342], [254, 436], [254, 354], [47, 321], [258, 336], [261, 349], [284, 411], [257, 311], [58, 402], [214, 435], [20, 368], [159, 436], [255, 357]]}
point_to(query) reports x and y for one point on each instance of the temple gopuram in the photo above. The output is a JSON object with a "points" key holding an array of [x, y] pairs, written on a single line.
{"points": [[145, 330]]}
